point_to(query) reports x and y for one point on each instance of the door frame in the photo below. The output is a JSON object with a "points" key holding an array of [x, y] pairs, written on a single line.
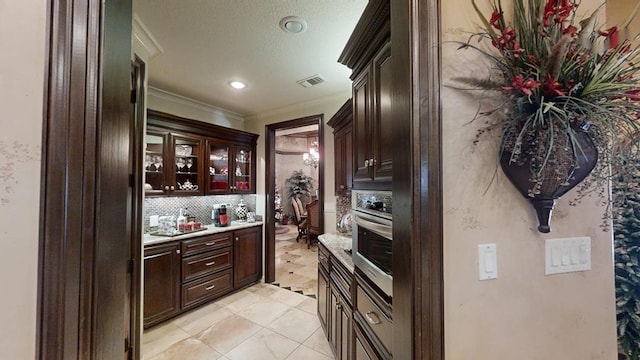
{"points": [[69, 318], [270, 184], [85, 241]]}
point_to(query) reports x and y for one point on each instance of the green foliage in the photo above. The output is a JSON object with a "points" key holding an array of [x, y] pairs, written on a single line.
{"points": [[300, 185], [627, 261]]}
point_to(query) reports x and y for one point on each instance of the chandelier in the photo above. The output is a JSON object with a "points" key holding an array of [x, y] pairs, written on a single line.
{"points": [[312, 158]]}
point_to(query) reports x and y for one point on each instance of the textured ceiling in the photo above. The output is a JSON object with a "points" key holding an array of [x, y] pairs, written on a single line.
{"points": [[208, 43]]}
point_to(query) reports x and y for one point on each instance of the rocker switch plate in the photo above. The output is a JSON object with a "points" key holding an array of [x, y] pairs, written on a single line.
{"points": [[487, 262], [567, 255]]}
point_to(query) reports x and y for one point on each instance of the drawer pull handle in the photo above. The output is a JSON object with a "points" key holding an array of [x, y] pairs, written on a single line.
{"points": [[372, 318], [210, 287], [210, 263], [210, 243], [338, 306]]}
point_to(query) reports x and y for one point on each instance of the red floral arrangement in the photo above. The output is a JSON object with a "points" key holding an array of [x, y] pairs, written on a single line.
{"points": [[558, 76]]}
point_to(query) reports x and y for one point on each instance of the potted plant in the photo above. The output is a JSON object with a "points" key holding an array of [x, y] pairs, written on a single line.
{"points": [[298, 185], [569, 94]]}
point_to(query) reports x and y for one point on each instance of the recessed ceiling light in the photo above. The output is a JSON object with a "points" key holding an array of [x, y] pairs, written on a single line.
{"points": [[237, 84], [293, 25]]}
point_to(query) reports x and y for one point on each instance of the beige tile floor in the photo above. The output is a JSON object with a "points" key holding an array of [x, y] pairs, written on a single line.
{"points": [[296, 266], [261, 322]]}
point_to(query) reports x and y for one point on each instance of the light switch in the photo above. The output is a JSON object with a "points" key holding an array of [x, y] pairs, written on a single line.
{"points": [[567, 255], [153, 220], [487, 262]]}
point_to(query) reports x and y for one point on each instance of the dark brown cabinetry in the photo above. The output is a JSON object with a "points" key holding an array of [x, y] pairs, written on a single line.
{"points": [[335, 307], [206, 268], [373, 319], [231, 168], [189, 157], [161, 282], [184, 274], [342, 124], [323, 287], [173, 163], [368, 54], [247, 260]]}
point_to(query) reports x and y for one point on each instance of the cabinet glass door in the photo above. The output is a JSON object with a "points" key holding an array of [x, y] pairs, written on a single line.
{"points": [[188, 176], [243, 169], [154, 164], [218, 168]]}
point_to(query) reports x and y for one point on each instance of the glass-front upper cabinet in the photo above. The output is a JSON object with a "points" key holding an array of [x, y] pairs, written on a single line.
{"points": [[173, 164], [230, 168], [218, 161], [187, 162], [155, 164], [243, 169]]}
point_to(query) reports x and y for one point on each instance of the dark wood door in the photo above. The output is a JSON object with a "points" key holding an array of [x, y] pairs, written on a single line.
{"points": [[247, 256], [346, 343], [334, 321], [161, 282], [343, 150], [323, 298], [382, 126], [361, 134]]}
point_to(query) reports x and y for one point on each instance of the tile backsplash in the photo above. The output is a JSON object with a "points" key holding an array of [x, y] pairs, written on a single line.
{"points": [[199, 206]]}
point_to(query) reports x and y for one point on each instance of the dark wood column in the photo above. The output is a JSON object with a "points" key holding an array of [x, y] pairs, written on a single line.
{"points": [[85, 241], [418, 306]]}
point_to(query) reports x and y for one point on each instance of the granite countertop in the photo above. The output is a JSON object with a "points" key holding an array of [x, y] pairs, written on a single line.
{"points": [[336, 244], [148, 239]]}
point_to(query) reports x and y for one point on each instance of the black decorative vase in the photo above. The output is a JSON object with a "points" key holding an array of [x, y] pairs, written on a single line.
{"points": [[568, 163]]}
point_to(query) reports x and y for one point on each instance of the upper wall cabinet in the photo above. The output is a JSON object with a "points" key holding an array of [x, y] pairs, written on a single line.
{"points": [[342, 124], [368, 54], [189, 157], [231, 167]]}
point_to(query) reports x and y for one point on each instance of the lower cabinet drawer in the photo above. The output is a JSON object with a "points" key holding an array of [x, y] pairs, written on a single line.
{"points": [[197, 266], [374, 319], [207, 288]]}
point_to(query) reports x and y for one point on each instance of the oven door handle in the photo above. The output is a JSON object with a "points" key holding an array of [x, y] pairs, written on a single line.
{"points": [[380, 229]]}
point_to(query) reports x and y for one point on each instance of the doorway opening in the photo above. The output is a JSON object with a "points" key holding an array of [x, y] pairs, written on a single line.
{"points": [[280, 205]]}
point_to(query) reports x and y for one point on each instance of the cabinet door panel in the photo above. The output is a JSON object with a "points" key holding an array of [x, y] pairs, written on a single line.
{"points": [[243, 172], [323, 298], [247, 256], [161, 282], [383, 124], [361, 133], [218, 167], [155, 164], [187, 165]]}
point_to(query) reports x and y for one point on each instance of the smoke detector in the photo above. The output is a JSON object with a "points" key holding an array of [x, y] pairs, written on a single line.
{"points": [[312, 81], [293, 25]]}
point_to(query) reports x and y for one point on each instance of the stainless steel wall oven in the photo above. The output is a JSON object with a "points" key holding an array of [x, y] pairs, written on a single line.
{"points": [[373, 237]]}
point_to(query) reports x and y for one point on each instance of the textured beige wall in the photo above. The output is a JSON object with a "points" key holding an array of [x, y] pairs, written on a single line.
{"points": [[328, 107], [522, 314], [22, 39], [617, 13]]}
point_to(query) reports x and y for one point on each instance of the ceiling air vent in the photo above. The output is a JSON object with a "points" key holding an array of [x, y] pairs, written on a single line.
{"points": [[311, 81]]}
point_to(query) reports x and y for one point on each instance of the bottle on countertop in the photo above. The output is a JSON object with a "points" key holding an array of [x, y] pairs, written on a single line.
{"points": [[182, 220]]}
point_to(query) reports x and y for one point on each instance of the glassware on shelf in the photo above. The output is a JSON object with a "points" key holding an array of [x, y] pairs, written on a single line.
{"points": [[180, 164], [189, 164], [157, 163]]}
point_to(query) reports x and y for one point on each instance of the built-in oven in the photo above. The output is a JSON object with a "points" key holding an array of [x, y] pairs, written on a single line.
{"points": [[372, 236]]}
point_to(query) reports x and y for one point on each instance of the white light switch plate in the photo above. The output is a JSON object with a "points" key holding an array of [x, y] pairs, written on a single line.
{"points": [[153, 220], [487, 261], [567, 255]]}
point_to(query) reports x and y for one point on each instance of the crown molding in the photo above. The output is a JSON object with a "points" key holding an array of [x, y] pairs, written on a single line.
{"points": [[194, 104], [301, 107], [144, 43]]}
